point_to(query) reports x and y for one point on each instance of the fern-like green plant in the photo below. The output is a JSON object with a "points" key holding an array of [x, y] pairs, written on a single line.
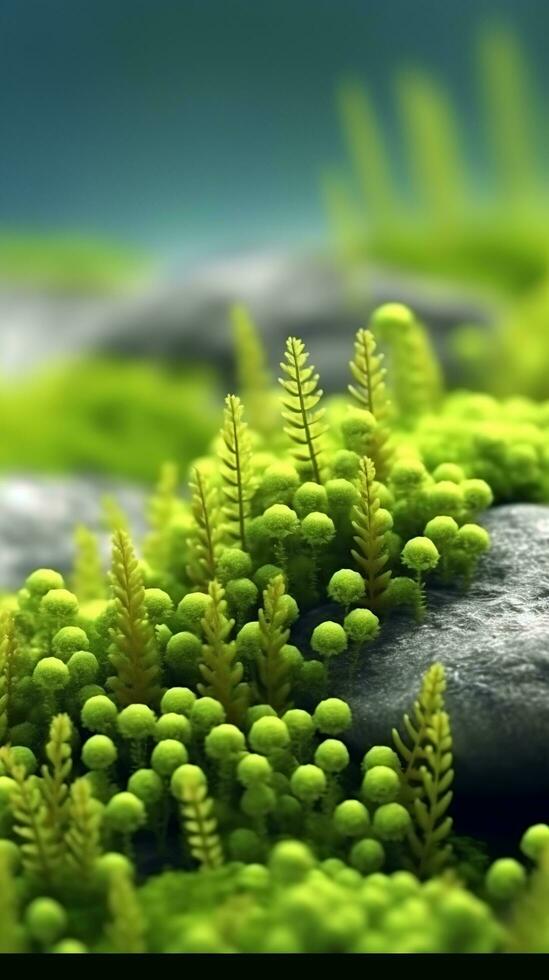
{"points": [[113, 515], [83, 836], [236, 470], [88, 580], [305, 426], [416, 381], [273, 673], [41, 851], [370, 392], [208, 531], [371, 553], [126, 929], [133, 652], [190, 788], [10, 930], [427, 774], [162, 509], [253, 379], [55, 775], [220, 670]]}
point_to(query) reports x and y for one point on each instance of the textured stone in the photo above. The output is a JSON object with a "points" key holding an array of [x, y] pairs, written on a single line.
{"points": [[494, 644], [38, 516]]}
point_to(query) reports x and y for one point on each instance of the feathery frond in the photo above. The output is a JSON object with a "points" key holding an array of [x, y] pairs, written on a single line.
{"points": [[83, 837], [208, 530], [197, 816], [88, 580], [305, 426], [236, 470], [272, 669], [371, 553], [114, 516], [370, 392], [126, 930], [221, 671], [41, 852], [133, 652], [55, 776]]}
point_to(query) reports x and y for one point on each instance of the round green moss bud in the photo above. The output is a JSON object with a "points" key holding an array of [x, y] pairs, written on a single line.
{"points": [[99, 713], [46, 920], [420, 554], [183, 651], [391, 318], [9, 852], [88, 691], [83, 668], [206, 713], [408, 475], [329, 639], [233, 564], [308, 498], [137, 721], [346, 587], [345, 465], [383, 520], [351, 818], [299, 724], [308, 783], [7, 786], [446, 498], [477, 495], [125, 813], [318, 529], [505, 878], [357, 430], [254, 769], [265, 574], [342, 495], [241, 593], [332, 755], [473, 539], [159, 605], [23, 756], [332, 716], [248, 641], [258, 711], [290, 861], [70, 946], [177, 699], [290, 608], [279, 482], [448, 471], [380, 785], [391, 821], [258, 800], [268, 734], [51, 673], [172, 726], [43, 581], [367, 856], [147, 785], [245, 845], [69, 640], [99, 752], [225, 743], [535, 841], [112, 863], [59, 604], [361, 625], [25, 733], [441, 531], [167, 756], [280, 521], [381, 755], [191, 611], [292, 657]]}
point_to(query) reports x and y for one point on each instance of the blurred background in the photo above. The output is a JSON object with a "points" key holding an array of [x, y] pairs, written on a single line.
{"points": [[164, 159]]}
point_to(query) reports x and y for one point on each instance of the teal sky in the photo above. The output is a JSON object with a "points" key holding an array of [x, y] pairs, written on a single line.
{"points": [[197, 126]]}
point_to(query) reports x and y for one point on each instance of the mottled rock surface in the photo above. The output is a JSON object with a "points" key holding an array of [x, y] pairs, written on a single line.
{"points": [[38, 516], [494, 644]]}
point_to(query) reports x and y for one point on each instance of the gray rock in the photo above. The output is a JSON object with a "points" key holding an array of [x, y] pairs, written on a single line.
{"points": [[494, 644], [38, 516]]}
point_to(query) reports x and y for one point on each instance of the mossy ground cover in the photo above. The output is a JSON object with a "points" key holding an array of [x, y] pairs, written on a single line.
{"points": [[175, 773]]}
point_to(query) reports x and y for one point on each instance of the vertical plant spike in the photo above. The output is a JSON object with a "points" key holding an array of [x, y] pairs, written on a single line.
{"points": [[8, 655], [133, 652], [221, 671], [236, 472], [161, 511], [55, 776], [370, 392], [83, 837], [416, 381], [253, 378], [10, 932], [272, 669], [427, 774], [528, 930], [41, 854], [300, 400], [88, 580], [114, 517], [371, 553], [368, 152], [190, 788], [126, 930], [208, 530]]}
